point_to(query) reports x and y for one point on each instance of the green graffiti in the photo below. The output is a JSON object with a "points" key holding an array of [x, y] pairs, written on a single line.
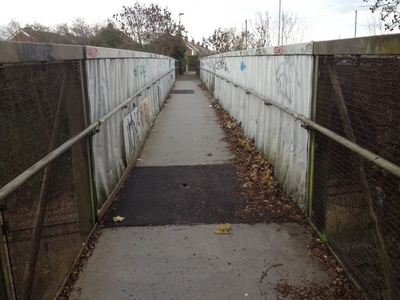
{"points": [[140, 71]]}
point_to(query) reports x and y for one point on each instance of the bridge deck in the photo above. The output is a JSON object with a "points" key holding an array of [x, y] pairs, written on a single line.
{"points": [[182, 186]]}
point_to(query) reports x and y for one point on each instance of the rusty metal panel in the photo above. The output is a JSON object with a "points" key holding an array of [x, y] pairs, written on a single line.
{"points": [[110, 82], [12, 52], [286, 79]]}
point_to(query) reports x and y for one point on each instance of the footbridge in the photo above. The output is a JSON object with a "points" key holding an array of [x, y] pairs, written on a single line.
{"points": [[267, 173]]}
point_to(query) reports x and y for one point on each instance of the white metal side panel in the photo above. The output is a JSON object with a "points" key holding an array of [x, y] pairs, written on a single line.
{"points": [[110, 82], [285, 79]]}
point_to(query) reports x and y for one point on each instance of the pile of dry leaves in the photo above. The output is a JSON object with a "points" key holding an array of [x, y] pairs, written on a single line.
{"points": [[255, 175], [266, 203], [87, 253]]}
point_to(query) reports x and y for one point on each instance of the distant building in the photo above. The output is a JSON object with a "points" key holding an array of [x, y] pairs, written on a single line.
{"points": [[30, 35], [197, 49]]}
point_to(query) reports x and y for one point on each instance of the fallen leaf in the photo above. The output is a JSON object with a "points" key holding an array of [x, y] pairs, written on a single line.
{"points": [[118, 219], [223, 229]]}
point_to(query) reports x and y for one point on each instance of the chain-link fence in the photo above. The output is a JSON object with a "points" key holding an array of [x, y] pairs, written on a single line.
{"points": [[356, 204], [41, 108]]}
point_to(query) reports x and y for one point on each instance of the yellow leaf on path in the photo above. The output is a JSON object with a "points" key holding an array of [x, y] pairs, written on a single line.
{"points": [[223, 229], [118, 219]]}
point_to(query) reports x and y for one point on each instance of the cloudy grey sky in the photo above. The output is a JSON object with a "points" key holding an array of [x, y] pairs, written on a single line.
{"points": [[329, 19]]}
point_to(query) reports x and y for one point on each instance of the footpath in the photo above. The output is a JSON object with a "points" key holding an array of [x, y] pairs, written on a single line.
{"points": [[181, 188]]}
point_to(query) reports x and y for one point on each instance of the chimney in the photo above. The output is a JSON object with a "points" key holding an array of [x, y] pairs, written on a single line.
{"points": [[193, 41], [198, 43], [186, 38]]}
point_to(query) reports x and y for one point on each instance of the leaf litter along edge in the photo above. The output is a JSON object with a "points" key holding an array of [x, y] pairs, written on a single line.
{"points": [[264, 197]]}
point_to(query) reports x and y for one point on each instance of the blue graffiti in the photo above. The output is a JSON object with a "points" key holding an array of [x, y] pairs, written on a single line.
{"points": [[242, 66]]}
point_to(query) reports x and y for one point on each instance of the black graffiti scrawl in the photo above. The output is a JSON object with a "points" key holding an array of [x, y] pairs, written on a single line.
{"points": [[34, 52]]}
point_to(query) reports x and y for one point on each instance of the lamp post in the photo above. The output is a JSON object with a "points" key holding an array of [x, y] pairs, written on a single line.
{"points": [[246, 33], [279, 24], [180, 14]]}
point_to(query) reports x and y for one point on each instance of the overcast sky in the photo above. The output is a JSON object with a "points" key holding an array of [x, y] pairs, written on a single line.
{"points": [[329, 19]]}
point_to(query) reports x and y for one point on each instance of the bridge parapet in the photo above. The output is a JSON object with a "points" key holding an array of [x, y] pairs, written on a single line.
{"points": [[324, 114], [73, 119]]}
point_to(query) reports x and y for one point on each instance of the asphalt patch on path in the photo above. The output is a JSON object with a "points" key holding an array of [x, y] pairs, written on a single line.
{"points": [[177, 195]]}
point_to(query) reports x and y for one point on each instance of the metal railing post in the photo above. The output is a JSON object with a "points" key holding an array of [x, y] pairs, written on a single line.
{"points": [[76, 109], [5, 282], [314, 91]]}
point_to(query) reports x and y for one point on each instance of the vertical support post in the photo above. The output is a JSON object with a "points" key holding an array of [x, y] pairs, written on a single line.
{"points": [[5, 283], [321, 155], [177, 67], [312, 136], [198, 68], [355, 26], [77, 121]]}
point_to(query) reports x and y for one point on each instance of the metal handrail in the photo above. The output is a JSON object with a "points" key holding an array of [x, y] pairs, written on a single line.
{"points": [[376, 159], [18, 181]]}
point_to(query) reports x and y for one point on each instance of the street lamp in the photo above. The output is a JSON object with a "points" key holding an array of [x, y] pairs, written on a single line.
{"points": [[279, 25], [180, 14]]}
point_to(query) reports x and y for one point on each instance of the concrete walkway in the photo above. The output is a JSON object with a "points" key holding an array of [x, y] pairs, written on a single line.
{"points": [[190, 261]]}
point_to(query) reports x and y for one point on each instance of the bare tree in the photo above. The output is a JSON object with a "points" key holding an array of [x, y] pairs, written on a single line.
{"points": [[146, 24], [389, 12], [374, 25], [62, 29], [261, 34], [82, 29], [292, 29], [10, 29], [39, 27], [225, 40]]}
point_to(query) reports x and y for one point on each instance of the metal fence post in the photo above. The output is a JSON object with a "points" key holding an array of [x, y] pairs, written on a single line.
{"points": [[198, 68], [321, 154], [5, 283], [311, 150], [177, 67], [76, 110]]}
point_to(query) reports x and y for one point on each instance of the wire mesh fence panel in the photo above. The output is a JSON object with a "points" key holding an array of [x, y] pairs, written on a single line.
{"points": [[356, 203], [41, 108]]}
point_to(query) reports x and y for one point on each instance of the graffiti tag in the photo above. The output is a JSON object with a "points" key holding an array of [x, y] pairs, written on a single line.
{"points": [[140, 71], [220, 64], [242, 66], [287, 78], [136, 124], [279, 50], [92, 52]]}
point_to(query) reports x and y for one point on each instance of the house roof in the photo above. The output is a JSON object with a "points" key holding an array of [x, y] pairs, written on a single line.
{"points": [[28, 34], [202, 49]]}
